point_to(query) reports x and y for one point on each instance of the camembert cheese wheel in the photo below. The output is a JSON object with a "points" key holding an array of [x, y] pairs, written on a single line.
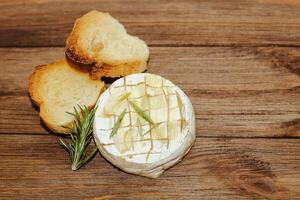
{"points": [[144, 124]]}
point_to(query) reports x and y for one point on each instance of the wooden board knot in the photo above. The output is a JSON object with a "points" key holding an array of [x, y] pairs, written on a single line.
{"points": [[258, 184]]}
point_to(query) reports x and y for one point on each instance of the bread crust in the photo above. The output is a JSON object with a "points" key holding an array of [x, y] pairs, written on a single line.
{"points": [[33, 80], [77, 50], [35, 89], [117, 71]]}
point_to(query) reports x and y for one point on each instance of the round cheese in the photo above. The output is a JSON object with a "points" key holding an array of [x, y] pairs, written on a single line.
{"points": [[144, 124]]}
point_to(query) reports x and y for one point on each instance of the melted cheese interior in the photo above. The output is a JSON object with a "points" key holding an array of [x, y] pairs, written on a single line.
{"points": [[137, 140]]}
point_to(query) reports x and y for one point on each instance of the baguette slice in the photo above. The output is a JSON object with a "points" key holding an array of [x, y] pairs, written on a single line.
{"points": [[99, 40], [57, 88]]}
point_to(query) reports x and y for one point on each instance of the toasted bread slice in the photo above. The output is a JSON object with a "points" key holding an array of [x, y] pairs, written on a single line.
{"points": [[99, 40], [57, 88]]}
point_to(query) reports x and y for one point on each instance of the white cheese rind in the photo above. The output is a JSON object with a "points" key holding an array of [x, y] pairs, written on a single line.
{"points": [[163, 154]]}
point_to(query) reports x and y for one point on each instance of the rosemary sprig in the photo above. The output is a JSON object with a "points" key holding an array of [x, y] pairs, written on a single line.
{"points": [[139, 125], [141, 113], [118, 123], [150, 129], [80, 137], [125, 96]]}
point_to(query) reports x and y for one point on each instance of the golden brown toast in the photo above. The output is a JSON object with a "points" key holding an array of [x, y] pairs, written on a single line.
{"points": [[100, 41], [57, 88]]}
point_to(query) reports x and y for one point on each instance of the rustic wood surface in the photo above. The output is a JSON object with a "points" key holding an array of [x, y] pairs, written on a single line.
{"points": [[188, 22], [239, 61], [216, 168], [240, 92]]}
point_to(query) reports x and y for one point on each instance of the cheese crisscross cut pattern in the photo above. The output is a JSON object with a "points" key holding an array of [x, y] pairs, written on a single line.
{"points": [[160, 99]]}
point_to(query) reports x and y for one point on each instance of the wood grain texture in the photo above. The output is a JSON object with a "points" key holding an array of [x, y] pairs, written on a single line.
{"points": [[223, 54], [236, 92], [36, 167], [190, 22]]}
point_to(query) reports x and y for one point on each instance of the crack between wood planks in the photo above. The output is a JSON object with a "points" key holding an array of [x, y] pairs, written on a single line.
{"points": [[199, 136], [173, 45]]}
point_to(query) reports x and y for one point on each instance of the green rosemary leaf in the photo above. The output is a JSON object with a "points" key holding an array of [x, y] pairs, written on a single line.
{"points": [[151, 128], [141, 113], [71, 113], [63, 144], [118, 123], [90, 157], [80, 137], [139, 125], [125, 96]]}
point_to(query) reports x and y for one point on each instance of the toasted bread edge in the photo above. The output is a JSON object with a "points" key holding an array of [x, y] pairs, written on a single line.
{"points": [[33, 84]]}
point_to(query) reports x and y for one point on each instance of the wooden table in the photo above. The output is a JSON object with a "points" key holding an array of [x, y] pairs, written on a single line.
{"points": [[239, 61]]}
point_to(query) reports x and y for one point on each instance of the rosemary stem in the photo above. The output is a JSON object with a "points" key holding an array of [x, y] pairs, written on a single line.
{"points": [[81, 135]]}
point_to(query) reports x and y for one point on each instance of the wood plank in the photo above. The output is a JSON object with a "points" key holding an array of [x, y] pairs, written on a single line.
{"points": [[190, 22], [35, 167], [236, 92]]}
